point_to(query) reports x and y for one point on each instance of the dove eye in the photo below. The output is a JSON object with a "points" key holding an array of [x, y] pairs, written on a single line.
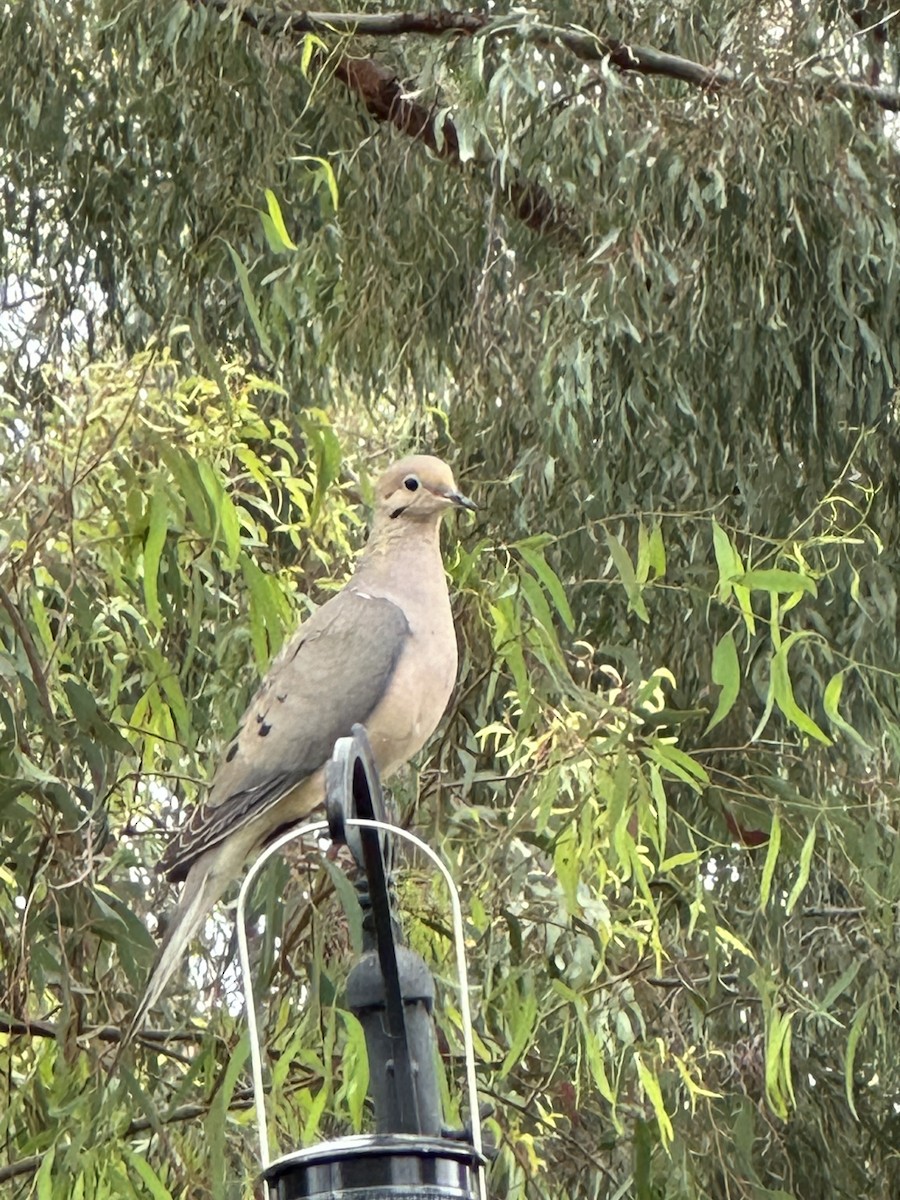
{"points": [[411, 483]]}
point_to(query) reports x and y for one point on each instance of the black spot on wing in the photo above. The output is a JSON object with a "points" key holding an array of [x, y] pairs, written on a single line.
{"points": [[265, 729], [232, 751]]}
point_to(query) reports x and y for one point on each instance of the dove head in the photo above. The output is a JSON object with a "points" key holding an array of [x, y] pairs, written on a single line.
{"points": [[417, 489]]}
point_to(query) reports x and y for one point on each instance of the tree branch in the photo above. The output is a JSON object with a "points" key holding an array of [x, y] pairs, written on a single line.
{"points": [[103, 1033], [242, 1099], [386, 100], [583, 43], [21, 630]]}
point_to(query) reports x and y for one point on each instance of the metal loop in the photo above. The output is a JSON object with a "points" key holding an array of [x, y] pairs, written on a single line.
{"points": [[320, 827]]}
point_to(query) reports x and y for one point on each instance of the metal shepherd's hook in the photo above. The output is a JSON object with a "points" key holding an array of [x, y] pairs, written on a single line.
{"points": [[391, 991]]}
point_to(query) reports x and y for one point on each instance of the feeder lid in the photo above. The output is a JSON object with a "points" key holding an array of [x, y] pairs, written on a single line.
{"points": [[392, 1165]]}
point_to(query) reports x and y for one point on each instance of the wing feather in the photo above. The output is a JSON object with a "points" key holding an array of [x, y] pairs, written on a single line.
{"points": [[331, 675]]}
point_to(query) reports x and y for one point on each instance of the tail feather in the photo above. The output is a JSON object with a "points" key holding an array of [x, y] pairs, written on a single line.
{"points": [[203, 886]]}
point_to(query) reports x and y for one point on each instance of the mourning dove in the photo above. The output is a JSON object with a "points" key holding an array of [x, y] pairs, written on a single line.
{"points": [[382, 653]]}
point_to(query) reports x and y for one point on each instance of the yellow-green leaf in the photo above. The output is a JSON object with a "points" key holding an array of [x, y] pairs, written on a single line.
{"points": [[153, 547], [802, 879], [277, 220], [551, 582], [625, 567], [727, 560], [856, 1030], [250, 301], [565, 862], [653, 1092], [156, 1189], [765, 887]]}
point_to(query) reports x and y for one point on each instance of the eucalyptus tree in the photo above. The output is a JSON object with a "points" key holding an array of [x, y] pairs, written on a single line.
{"points": [[639, 264]]}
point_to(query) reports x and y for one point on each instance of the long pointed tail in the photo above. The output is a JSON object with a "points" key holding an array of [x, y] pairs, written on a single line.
{"points": [[203, 886]]}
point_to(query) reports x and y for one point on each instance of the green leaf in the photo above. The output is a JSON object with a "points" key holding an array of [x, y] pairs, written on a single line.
{"points": [[731, 568], [856, 1032], [266, 629], [324, 172], [625, 568], [779, 1089], [314, 1115], [783, 694], [742, 595], [840, 985], [523, 1017], [43, 1181], [250, 301], [545, 642], [651, 554], [311, 43], [156, 1189], [765, 887], [565, 863], [507, 640], [802, 879], [726, 673], [355, 1063], [154, 542], [216, 1121], [349, 898], [679, 764], [830, 702], [551, 582], [225, 516], [657, 552], [777, 581], [187, 477], [731, 939], [653, 1092], [327, 452], [727, 559]]}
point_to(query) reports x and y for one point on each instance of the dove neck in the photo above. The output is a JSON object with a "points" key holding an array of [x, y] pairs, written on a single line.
{"points": [[396, 539], [401, 555]]}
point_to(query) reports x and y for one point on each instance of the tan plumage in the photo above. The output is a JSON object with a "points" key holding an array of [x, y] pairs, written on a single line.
{"points": [[382, 652]]}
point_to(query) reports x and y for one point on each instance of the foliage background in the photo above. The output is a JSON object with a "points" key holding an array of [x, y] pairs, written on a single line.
{"points": [[633, 269]]}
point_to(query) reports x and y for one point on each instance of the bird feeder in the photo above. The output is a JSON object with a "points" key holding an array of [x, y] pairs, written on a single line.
{"points": [[411, 1155]]}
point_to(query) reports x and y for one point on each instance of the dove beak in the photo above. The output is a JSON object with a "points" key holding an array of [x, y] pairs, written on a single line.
{"points": [[456, 498]]}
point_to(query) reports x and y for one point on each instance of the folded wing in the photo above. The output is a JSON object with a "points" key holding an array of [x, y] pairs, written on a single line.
{"points": [[331, 675]]}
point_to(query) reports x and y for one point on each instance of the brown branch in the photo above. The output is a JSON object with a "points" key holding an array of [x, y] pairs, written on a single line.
{"points": [[24, 1166], [22, 631], [242, 1099], [103, 1033], [593, 47], [832, 913], [583, 43], [386, 100], [840, 88]]}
